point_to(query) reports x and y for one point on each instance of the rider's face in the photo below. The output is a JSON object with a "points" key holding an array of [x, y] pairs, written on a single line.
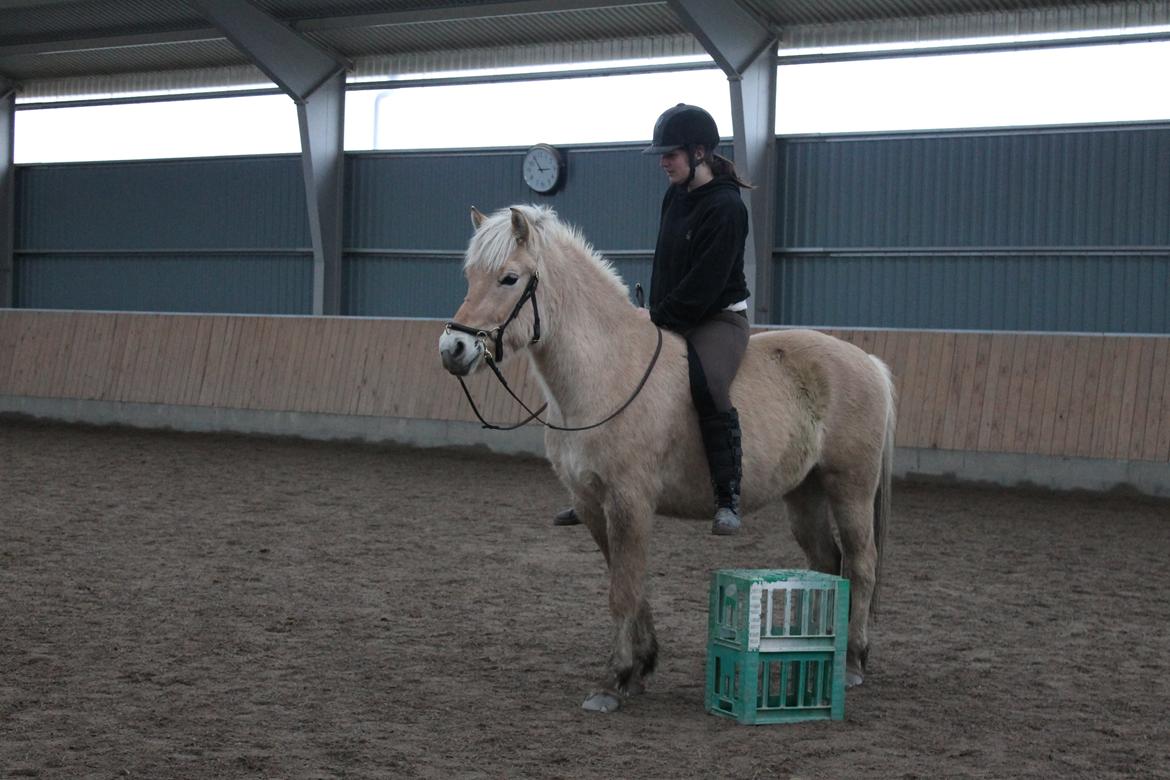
{"points": [[676, 165]]}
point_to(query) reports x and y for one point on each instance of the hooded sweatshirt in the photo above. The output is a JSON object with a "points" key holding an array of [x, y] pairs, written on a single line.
{"points": [[698, 259]]}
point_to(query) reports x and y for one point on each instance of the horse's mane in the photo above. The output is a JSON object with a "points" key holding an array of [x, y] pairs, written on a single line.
{"points": [[493, 243]]}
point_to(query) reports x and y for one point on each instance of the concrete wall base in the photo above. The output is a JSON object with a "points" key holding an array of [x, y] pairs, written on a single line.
{"points": [[305, 425], [1007, 469], [1055, 473]]}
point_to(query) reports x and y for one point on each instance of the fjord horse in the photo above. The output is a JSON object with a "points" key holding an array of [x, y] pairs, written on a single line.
{"points": [[817, 412]]}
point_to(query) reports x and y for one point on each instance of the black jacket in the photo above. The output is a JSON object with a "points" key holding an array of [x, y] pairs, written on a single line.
{"points": [[698, 260]]}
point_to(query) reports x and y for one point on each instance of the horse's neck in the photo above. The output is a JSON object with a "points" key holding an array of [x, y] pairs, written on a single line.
{"points": [[593, 349]]}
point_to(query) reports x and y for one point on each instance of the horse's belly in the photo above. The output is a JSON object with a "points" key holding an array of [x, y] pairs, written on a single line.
{"points": [[776, 459], [693, 499]]}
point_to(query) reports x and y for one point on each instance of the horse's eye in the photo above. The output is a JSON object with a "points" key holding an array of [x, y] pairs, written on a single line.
{"points": [[510, 279]]}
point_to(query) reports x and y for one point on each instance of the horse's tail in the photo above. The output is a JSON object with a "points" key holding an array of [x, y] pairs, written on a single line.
{"points": [[882, 499]]}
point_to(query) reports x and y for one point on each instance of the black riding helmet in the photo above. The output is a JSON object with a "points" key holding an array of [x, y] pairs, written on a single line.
{"points": [[683, 126]]}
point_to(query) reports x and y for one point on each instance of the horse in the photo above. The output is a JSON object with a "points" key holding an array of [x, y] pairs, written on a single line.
{"points": [[817, 412]]}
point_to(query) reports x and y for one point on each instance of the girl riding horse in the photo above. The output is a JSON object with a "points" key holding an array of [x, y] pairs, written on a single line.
{"points": [[698, 289]]}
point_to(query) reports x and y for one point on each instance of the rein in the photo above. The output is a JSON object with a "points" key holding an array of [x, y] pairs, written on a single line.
{"points": [[498, 335]]}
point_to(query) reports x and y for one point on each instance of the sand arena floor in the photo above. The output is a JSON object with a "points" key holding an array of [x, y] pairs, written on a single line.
{"points": [[183, 606]]}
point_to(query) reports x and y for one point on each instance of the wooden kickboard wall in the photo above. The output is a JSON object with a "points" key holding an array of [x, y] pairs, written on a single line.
{"points": [[1093, 396]]}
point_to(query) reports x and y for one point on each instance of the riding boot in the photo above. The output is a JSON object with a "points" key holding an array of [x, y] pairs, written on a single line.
{"points": [[723, 442]]}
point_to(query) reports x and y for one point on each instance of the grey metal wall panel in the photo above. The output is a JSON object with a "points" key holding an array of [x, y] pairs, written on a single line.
{"points": [[1045, 229], [413, 285], [424, 284], [209, 235], [420, 200], [220, 203], [417, 204], [1105, 293], [1054, 229], [1106, 186], [220, 283]]}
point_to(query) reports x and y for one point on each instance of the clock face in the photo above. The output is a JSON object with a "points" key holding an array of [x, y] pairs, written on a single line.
{"points": [[543, 168]]}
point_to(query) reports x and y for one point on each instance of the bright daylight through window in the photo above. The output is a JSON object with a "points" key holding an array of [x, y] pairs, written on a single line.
{"points": [[1082, 84]]}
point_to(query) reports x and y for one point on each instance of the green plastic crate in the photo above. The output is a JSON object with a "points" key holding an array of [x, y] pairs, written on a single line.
{"points": [[776, 642]]}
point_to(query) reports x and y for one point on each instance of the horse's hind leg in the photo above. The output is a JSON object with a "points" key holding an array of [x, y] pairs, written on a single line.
{"points": [[634, 655], [852, 505], [812, 525]]}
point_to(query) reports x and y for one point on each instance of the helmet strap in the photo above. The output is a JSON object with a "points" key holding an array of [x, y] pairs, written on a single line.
{"points": [[694, 163]]}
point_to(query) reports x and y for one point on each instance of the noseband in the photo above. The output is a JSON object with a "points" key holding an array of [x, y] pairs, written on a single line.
{"points": [[497, 334]]}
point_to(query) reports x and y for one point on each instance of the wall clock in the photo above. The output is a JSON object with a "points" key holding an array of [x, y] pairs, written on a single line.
{"points": [[544, 168]]}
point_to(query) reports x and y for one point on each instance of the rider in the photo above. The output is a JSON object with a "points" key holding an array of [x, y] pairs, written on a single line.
{"points": [[698, 289]]}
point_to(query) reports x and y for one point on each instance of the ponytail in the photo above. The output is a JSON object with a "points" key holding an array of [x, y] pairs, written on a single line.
{"points": [[721, 166]]}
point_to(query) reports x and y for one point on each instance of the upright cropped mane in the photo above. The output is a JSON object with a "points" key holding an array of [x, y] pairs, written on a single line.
{"points": [[552, 241]]}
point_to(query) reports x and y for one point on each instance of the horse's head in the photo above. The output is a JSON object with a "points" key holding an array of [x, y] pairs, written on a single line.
{"points": [[499, 316]]}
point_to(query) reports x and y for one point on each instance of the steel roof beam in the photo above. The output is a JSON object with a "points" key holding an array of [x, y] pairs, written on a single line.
{"points": [[315, 80], [745, 49], [293, 62], [731, 35]]}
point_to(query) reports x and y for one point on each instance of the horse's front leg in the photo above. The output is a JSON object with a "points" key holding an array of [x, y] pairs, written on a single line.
{"points": [[624, 540]]}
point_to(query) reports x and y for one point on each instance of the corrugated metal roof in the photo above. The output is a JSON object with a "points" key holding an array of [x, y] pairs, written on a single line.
{"points": [[962, 13], [99, 46], [125, 60], [553, 27], [31, 21], [439, 61], [935, 21]]}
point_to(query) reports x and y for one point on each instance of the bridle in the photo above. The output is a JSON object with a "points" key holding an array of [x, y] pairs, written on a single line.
{"points": [[497, 335]]}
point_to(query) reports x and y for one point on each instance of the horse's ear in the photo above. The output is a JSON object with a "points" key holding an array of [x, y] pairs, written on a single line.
{"points": [[477, 217], [520, 227]]}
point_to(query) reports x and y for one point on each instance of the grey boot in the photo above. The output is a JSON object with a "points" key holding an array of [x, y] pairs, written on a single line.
{"points": [[722, 440]]}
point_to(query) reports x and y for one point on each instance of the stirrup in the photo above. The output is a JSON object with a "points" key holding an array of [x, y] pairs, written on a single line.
{"points": [[726, 522]]}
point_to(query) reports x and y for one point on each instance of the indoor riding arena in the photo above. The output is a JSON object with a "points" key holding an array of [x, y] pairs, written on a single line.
{"points": [[251, 528], [209, 605]]}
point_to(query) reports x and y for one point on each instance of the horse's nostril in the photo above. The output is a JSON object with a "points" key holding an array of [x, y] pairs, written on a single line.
{"points": [[458, 348]]}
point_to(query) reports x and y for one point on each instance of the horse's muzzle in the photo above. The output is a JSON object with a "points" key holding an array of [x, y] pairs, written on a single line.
{"points": [[461, 353]]}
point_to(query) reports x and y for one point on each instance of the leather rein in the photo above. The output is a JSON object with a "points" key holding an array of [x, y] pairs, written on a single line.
{"points": [[492, 358]]}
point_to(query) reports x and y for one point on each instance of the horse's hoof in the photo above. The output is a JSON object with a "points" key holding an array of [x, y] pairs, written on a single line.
{"points": [[602, 702], [853, 679]]}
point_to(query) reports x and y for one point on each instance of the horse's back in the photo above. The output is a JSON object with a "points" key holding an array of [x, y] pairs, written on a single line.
{"points": [[825, 393], [812, 356], [798, 341], [808, 361]]}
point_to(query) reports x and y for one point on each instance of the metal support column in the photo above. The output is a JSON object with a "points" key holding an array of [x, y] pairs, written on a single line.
{"points": [[322, 122], [7, 193], [745, 50], [315, 80], [753, 110]]}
